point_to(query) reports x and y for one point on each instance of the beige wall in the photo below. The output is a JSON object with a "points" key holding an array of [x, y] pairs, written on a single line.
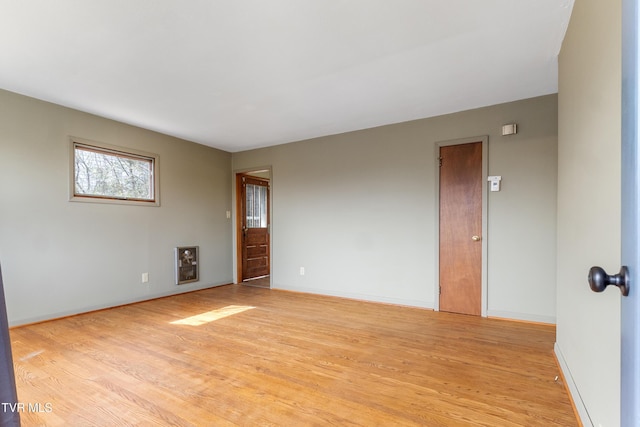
{"points": [[60, 257], [358, 210], [588, 330]]}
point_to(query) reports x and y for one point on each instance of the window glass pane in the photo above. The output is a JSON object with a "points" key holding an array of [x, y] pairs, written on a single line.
{"points": [[256, 206], [110, 174], [263, 207]]}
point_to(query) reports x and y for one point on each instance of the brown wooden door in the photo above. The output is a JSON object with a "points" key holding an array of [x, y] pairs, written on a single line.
{"points": [[255, 228], [461, 228]]}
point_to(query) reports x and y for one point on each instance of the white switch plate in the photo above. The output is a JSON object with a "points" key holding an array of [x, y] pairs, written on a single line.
{"points": [[145, 277], [302, 271], [228, 214]]}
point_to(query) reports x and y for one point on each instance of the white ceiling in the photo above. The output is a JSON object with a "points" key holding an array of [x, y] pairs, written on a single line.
{"points": [[241, 74]]}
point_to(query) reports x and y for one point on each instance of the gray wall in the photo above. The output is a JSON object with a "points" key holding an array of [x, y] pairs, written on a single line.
{"points": [[588, 329], [60, 257], [358, 210]]}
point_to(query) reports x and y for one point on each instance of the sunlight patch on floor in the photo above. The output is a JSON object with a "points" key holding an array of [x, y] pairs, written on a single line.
{"points": [[31, 355], [213, 315]]}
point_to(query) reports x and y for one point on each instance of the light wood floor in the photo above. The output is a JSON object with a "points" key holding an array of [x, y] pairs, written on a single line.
{"points": [[291, 360]]}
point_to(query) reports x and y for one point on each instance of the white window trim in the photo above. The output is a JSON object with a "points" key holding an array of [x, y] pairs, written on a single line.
{"points": [[99, 145]]}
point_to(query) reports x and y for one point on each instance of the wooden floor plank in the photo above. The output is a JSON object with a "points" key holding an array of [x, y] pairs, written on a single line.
{"points": [[283, 359]]}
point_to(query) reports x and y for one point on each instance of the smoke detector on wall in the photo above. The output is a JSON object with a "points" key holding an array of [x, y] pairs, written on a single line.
{"points": [[510, 129]]}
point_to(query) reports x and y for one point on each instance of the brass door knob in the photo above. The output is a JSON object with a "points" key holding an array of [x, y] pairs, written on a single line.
{"points": [[476, 238]]}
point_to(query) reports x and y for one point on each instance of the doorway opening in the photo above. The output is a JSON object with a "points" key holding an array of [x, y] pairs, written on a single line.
{"points": [[253, 228]]}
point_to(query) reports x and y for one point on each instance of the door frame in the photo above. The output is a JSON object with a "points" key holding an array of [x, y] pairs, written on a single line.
{"points": [[630, 227], [236, 221], [485, 168]]}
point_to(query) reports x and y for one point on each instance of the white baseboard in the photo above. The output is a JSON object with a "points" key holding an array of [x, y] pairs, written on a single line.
{"points": [[87, 309], [573, 389], [358, 296], [527, 317]]}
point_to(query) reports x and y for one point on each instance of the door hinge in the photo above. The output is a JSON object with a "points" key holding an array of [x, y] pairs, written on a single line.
{"points": [[440, 290], [440, 161]]}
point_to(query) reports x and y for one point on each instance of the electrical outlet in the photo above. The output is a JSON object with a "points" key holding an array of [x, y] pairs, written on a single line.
{"points": [[145, 277], [302, 271]]}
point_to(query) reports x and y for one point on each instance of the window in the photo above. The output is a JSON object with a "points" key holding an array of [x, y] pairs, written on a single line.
{"points": [[102, 173], [256, 205]]}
